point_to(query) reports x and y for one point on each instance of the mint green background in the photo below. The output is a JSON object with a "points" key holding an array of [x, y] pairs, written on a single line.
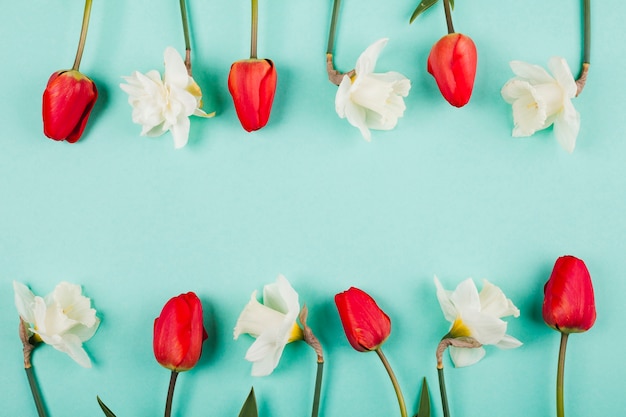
{"points": [[448, 192]]}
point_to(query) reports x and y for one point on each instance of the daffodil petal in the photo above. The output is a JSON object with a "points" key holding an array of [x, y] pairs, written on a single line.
{"points": [[466, 356]]}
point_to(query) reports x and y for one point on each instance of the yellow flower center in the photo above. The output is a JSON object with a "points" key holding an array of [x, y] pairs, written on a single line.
{"points": [[296, 333], [459, 329]]}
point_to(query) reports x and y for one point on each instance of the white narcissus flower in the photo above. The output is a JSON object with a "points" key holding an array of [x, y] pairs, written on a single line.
{"points": [[162, 105], [476, 315], [540, 100], [63, 319], [272, 323], [372, 100]]}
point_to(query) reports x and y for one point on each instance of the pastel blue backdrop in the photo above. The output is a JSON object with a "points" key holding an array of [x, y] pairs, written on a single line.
{"points": [[448, 192]]}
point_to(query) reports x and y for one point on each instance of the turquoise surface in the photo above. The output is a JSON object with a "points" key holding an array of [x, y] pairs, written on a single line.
{"points": [[448, 192]]}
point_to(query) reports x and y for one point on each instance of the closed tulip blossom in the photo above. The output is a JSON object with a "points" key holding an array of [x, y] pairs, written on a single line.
{"points": [[68, 100], [452, 62], [367, 327], [568, 307], [178, 336], [252, 84], [372, 100], [541, 100], [272, 323], [162, 105]]}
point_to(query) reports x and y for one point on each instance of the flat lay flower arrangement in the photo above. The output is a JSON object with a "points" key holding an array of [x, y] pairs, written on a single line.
{"points": [[65, 319], [368, 100]]}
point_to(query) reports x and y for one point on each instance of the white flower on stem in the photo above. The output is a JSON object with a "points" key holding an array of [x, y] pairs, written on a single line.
{"points": [[476, 315], [63, 319], [540, 100], [272, 323], [372, 100], [162, 105]]}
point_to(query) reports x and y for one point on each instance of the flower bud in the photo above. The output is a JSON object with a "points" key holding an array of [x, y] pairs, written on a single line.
{"points": [[365, 324], [568, 304], [452, 61], [67, 103], [252, 83], [179, 333]]}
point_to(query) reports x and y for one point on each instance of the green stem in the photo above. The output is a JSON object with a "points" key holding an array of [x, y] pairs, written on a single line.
{"points": [[254, 29], [442, 390], [170, 394], [183, 13], [333, 27], [394, 381], [586, 31], [318, 389], [446, 8], [41, 410], [560, 410], [83, 35]]}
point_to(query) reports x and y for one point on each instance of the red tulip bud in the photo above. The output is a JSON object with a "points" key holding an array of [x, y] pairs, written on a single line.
{"points": [[67, 103], [252, 83], [568, 304], [179, 333], [452, 61], [365, 324]]}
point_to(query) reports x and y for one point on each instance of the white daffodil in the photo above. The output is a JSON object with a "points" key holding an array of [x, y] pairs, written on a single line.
{"points": [[372, 100], [272, 323], [63, 319], [476, 315], [540, 100], [162, 105]]}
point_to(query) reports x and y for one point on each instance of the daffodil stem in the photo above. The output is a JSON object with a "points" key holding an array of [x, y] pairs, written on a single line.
{"points": [[442, 390], [170, 394], [83, 35], [41, 410], [183, 13], [582, 78], [394, 381], [333, 27], [254, 29], [446, 8], [318, 389], [560, 410]]}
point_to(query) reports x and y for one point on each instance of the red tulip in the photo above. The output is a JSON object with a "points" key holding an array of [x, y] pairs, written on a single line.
{"points": [[365, 324], [452, 61], [67, 103], [179, 333], [252, 83], [568, 304]]}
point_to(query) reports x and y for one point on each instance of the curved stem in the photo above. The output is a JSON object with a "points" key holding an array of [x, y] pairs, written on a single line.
{"points": [[446, 8], [183, 13], [560, 410], [333, 27], [394, 381], [318, 389], [254, 29], [83, 35], [41, 410], [442, 390], [582, 78], [170, 394]]}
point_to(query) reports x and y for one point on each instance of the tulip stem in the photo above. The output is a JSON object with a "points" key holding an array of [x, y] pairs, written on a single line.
{"points": [[582, 78], [560, 410], [83, 35], [442, 390], [254, 29], [446, 8], [318, 389], [41, 410], [183, 13], [170, 394], [394, 381], [333, 27]]}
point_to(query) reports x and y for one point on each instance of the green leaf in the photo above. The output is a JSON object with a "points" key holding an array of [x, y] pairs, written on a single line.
{"points": [[422, 7], [452, 4], [106, 410], [423, 410], [249, 407]]}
